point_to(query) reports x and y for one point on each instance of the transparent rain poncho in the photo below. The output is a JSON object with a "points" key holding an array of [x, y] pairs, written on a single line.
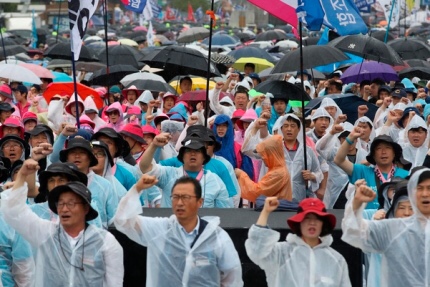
{"points": [[211, 262], [174, 128], [415, 155], [403, 242]]}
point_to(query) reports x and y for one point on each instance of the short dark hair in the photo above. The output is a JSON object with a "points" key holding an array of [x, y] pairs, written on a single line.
{"points": [[337, 84], [364, 83], [240, 91], [321, 118], [291, 119], [251, 65], [325, 230], [378, 81], [193, 181], [185, 79], [368, 123], [424, 176]]}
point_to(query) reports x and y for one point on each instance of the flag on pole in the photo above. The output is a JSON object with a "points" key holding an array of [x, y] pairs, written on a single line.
{"points": [[134, 5], [387, 5], [147, 12], [190, 17], [34, 37], [282, 9], [150, 35], [80, 13], [311, 14]]}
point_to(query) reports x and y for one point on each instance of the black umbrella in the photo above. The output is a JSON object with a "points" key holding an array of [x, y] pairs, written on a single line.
{"points": [[348, 103], [409, 48], [368, 48], [251, 52], [103, 77], [271, 35], [175, 60], [193, 34], [7, 42], [122, 55], [420, 72], [380, 35], [89, 66], [152, 85], [310, 41], [313, 56], [63, 51], [284, 90], [12, 50], [417, 63]]}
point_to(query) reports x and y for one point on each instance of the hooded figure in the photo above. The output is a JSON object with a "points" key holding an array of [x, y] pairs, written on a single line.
{"points": [[276, 182], [230, 149], [174, 128], [215, 104], [402, 242], [328, 104], [363, 148], [142, 102], [92, 112], [416, 151], [320, 113], [119, 121]]}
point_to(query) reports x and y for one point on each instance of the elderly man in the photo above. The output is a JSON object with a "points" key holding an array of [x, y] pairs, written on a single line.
{"points": [[194, 156], [184, 249], [71, 252]]}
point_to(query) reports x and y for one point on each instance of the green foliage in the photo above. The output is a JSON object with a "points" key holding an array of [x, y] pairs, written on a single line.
{"points": [[182, 5], [9, 7]]}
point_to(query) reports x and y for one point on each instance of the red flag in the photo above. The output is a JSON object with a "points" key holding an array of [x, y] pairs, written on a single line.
{"points": [[282, 9], [190, 17], [170, 15]]}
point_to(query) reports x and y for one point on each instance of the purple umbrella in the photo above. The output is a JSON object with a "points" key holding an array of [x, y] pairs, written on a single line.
{"points": [[369, 70]]}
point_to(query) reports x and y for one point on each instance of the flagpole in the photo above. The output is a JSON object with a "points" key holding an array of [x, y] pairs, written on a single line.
{"points": [[303, 99], [3, 45], [209, 66], [106, 39], [75, 87], [58, 21], [389, 21]]}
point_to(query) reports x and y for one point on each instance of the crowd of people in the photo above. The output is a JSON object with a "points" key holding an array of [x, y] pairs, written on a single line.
{"points": [[69, 170]]}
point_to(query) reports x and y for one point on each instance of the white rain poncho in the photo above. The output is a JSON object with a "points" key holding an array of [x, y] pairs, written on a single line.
{"points": [[295, 165], [403, 242], [363, 148], [415, 155], [174, 128], [327, 147], [16, 258], [214, 104], [329, 102], [293, 262], [171, 261], [90, 105], [98, 252], [393, 131]]}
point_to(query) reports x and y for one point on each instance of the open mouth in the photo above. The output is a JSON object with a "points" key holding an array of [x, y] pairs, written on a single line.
{"points": [[76, 162], [425, 202], [65, 217], [312, 230]]}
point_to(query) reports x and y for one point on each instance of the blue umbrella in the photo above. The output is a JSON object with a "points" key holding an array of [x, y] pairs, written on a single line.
{"points": [[61, 77], [369, 70], [222, 40]]}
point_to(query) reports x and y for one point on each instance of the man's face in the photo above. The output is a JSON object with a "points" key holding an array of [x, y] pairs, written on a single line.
{"points": [[279, 107], [221, 129], [38, 139], [423, 197], [396, 100], [148, 138], [374, 89], [188, 205], [332, 89], [143, 107], [193, 159], [4, 115], [131, 96], [404, 209], [383, 94], [332, 111], [71, 216], [417, 136], [100, 154], [7, 130], [12, 150], [290, 130], [110, 143], [19, 96], [29, 125], [169, 102], [321, 125], [248, 70], [366, 131], [56, 180], [240, 101], [80, 158], [186, 86], [311, 226], [384, 154]]}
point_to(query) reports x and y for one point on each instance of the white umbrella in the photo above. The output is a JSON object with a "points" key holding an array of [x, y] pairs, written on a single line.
{"points": [[18, 73], [288, 44], [141, 76]]}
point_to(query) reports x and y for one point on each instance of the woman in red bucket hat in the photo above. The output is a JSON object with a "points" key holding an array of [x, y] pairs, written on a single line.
{"points": [[305, 258]]}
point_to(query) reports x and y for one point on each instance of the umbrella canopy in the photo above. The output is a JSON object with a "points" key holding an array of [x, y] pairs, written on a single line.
{"points": [[111, 76], [284, 90], [368, 48], [40, 71], [63, 51], [222, 40], [128, 42], [286, 45], [141, 76], [121, 55], [193, 34], [89, 66], [251, 52], [67, 88], [7, 42], [198, 84], [12, 50], [310, 41], [417, 63], [380, 35], [222, 58], [260, 64], [18, 73], [348, 103], [59, 63], [152, 85], [271, 35], [409, 48], [197, 96], [420, 72], [175, 60], [313, 56], [61, 77], [369, 70]]}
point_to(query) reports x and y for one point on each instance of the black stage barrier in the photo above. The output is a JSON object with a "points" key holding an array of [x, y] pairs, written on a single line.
{"points": [[236, 222]]}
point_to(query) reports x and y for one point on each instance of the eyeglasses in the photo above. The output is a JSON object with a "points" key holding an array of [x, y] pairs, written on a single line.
{"points": [[70, 204], [11, 145], [113, 113], [183, 197], [99, 154]]}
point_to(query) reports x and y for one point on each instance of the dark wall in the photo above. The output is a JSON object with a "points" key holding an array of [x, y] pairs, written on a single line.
{"points": [[236, 222]]}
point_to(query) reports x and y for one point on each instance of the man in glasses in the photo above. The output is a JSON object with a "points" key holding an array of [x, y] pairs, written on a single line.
{"points": [[70, 252], [184, 249]]}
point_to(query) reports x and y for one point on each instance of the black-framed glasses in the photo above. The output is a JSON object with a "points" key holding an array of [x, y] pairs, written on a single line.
{"points": [[70, 204], [183, 197], [99, 154]]}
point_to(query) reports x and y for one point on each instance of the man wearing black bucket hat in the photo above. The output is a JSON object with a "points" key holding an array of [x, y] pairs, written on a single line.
{"points": [[70, 252], [385, 157]]}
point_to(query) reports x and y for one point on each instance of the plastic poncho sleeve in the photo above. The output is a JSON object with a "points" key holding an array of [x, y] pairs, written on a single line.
{"points": [[215, 105], [58, 146], [113, 258], [23, 268], [327, 147], [20, 217], [251, 141], [55, 113]]}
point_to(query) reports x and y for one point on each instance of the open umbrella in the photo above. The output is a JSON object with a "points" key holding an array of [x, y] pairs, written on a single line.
{"points": [[40, 71], [152, 85], [175, 60], [284, 90], [61, 77], [417, 63], [59, 63], [369, 70], [313, 56], [368, 48], [348, 103], [63, 51], [11, 50], [18, 73], [128, 42], [193, 34], [141, 76], [409, 48], [198, 84], [89, 66], [251, 52], [67, 88], [222, 58], [380, 35], [260, 64], [7, 42], [122, 55], [271, 35], [420, 72], [105, 77], [222, 40]]}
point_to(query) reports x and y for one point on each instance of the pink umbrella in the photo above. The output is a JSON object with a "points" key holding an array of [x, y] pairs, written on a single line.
{"points": [[140, 28], [40, 71], [113, 43]]}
